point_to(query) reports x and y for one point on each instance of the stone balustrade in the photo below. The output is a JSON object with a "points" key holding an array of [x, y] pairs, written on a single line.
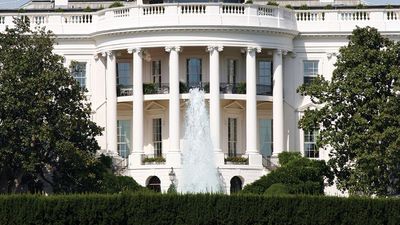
{"points": [[162, 15], [345, 20]]}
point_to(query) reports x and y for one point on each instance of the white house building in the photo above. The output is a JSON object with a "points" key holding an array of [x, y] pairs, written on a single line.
{"points": [[138, 62]]}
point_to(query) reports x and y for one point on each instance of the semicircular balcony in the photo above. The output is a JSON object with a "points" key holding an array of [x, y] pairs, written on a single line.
{"points": [[158, 16]]}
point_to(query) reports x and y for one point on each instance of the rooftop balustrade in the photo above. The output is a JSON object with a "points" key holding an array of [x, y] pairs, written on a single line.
{"points": [[148, 16], [345, 20], [196, 14]]}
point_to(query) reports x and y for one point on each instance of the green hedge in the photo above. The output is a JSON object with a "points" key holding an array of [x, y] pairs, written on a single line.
{"points": [[156, 209]]}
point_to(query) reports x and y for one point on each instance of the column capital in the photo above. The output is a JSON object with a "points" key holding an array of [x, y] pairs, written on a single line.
{"points": [[133, 50], [96, 56], [293, 55], [173, 48], [211, 48], [281, 52], [251, 49]]}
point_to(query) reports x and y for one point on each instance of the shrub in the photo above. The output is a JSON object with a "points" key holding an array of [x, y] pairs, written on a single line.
{"points": [[150, 88], [241, 87], [117, 184], [116, 4], [329, 6], [155, 160], [183, 88], [301, 176], [156, 209], [249, 2], [277, 189], [273, 3], [304, 7], [88, 9], [286, 157], [236, 159], [289, 6]]}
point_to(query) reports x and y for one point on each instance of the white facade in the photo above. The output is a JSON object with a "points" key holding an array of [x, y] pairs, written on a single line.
{"points": [[221, 47]]}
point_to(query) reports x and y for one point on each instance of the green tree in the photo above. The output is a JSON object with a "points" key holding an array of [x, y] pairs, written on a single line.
{"points": [[358, 112], [46, 135]]}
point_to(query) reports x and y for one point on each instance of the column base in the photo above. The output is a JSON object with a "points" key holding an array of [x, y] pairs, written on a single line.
{"points": [[255, 159], [135, 159], [219, 158], [174, 159]]}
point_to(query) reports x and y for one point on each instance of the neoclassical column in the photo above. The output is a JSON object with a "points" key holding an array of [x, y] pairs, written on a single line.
{"points": [[215, 105], [111, 95], [277, 104], [137, 126], [251, 107], [174, 154]]}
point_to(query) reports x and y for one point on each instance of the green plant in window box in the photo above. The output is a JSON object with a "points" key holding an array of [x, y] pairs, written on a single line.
{"points": [[289, 6], [329, 6], [304, 7], [182, 88], [149, 89], [236, 160], [241, 87], [88, 9], [273, 3], [206, 88], [116, 4], [156, 160]]}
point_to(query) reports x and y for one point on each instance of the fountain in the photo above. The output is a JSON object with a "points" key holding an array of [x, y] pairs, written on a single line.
{"points": [[200, 174]]}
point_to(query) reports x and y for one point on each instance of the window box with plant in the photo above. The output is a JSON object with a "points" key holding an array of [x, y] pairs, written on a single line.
{"points": [[236, 160], [154, 160]]}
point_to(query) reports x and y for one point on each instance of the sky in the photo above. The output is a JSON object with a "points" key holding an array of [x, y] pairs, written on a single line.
{"points": [[16, 3]]}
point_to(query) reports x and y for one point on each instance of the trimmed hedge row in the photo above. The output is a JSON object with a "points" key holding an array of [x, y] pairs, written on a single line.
{"points": [[157, 209]]}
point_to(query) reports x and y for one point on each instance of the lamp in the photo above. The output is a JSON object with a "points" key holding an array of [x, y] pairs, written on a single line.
{"points": [[172, 175]]}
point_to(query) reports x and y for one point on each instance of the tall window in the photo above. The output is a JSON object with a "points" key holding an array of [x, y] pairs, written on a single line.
{"points": [[193, 66], [232, 70], [310, 72], [157, 137], [79, 73], [124, 74], [264, 77], [156, 71], [310, 143], [232, 136], [124, 136], [266, 143]]}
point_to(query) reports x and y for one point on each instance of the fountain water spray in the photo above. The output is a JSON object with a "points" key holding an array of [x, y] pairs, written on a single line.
{"points": [[200, 174]]}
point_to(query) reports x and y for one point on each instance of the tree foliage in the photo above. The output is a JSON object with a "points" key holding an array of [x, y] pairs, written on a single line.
{"points": [[358, 112], [46, 135], [298, 175]]}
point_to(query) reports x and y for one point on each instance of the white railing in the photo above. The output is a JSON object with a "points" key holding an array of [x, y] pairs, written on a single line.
{"points": [[346, 20], [38, 20], [153, 10], [266, 11], [85, 18], [193, 9], [351, 15], [310, 16], [121, 12], [392, 15], [232, 9], [173, 14]]}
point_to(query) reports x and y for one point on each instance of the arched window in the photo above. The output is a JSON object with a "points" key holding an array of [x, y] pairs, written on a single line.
{"points": [[236, 184], [154, 184]]}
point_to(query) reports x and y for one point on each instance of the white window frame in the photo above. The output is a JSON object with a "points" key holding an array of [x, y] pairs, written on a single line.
{"points": [[312, 75], [316, 151]]}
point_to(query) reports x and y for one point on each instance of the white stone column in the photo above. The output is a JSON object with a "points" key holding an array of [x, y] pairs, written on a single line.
{"points": [[277, 104], [111, 95], [252, 150], [174, 153], [215, 105], [135, 158]]}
